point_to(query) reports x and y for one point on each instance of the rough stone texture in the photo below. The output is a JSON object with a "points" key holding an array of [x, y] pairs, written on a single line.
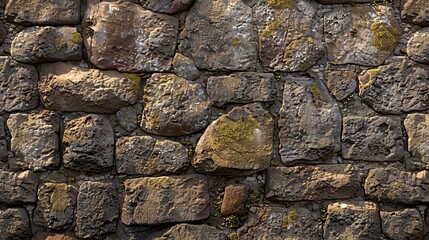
{"points": [[219, 35], [3, 142], [3, 33], [174, 106], [310, 122], [417, 126], [363, 35], [312, 183], [290, 35], [126, 37], [240, 142], [352, 221], [402, 224], [128, 117], [35, 45], [166, 6], [342, 84], [97, 210], [372, 139], [40, 235], [14, 224], [55, 206], [399, 86], [148, 156], [416, 12], [65, 87], [278, 223], [35, 140], [347, 1], [18, 188], [156, 200], [418, 46], [234, 200], [88, 144], [18, 86], [245, 87], [193, 232], [185, 67]]}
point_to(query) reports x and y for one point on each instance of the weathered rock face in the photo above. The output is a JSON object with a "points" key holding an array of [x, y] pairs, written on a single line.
{"points": [[362, 35], [281, 223], [97, 210], [352, 220], [238, 142], [18, 188], [166, 6], [18, 86], [399, 86], [403, 224], [128, 117], [35, 45], [418, 46], [174, 106], [347, 1], [219, 35], [41, 235], [35, 140], [88, 144], [184, 67], [55, 206], [156, 200], [393, 185], [341, 84], [3, 142], [417, 126], [148, 156], [65, 87], [194, 232], [43, 12], [128, 38], [372, 139], [241, 88], [415, 11], [312, 183], [234, 200], [310, 122], [3, 33], [290, 35], [15, 224]]}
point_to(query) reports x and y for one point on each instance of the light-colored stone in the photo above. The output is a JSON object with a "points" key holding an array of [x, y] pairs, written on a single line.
{"points": [[342, 84], [417, 127], [402, 224], [416, 12], [166, 6], [184, 67], [15, 224], [418, 46], [193, 232], [18, 187], [41, 235]]}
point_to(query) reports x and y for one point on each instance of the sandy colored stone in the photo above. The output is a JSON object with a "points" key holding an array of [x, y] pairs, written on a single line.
{"points": [[185, 67], [18, 187], [15, 224], [342, 84], [41, 235], [402, 224], [417, 127], [234, 200], [193, 232], [418, 46], [415, 12], [166, 6]]}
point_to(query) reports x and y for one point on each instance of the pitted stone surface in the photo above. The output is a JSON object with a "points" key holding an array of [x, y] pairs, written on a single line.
{"points": [[18, 187], [234, 200], [416, 12], [417, 127], [347, 1], [128, 117], [418, 46], [194, 232], [342, 84], [166, 6], [184, 67], [402, 224], [15, 224], [41, 235]]}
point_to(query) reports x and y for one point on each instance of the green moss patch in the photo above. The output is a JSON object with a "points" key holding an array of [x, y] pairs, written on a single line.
{"points": [[383, 37], [229, 133], [76, 38], [281, 4]]}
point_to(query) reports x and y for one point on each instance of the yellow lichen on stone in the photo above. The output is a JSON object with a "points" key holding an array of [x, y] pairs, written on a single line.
{"points": [[236, 41], [59, 198], [233, 236], [314, 90], [383, 37], [287, 220], [310, 40], [59, 43], [367, 79], [135, 78], [270, 28], [230, 133], [281, 4], [76, 38]]}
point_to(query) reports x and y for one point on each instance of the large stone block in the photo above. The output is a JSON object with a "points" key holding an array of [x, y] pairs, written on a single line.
{"points": [[402, 224], [418, 46], [18, 188], [166, 6], [194, 232], [416, 12], [15, 224], [417, 127]]}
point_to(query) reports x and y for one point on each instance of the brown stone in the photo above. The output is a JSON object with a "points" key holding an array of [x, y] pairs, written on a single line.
{"points": [[41, 235], [416, 12], [18, 187], [194, 232], [417, 127], [15, 224], [402, 224], [234, 200], [342, 84]]}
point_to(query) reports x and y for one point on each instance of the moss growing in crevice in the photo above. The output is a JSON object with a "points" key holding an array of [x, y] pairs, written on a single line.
{"points": [[135, 78], [76, 38], [383, 37], [281, 4], [314, 90]]}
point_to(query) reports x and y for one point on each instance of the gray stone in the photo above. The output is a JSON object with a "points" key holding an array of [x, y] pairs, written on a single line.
{"points": [[55, 206], [219, 36], [128, 117], [69, 88], [35, 45], [418, 46], [35, 140], [312, 183], [3, 33], [43, 12], [15, 224], [18, 188], [309, 122], [279, 223], [184, 67], [88, 144], [393, 185], [417, 126], [363, 35], [240, 142], [416, 12], [174, 106], [156, 200], [399, 86], [18, 86], [97, 210], [129, 38], [166, 6], [352, 221], [402, 224], [241, 88], [148, 156], [193, 232], [290, 35], [342, 84], [372, 138]]}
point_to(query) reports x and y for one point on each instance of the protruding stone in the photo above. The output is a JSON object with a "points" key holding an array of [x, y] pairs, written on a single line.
{"points": [[148, 156], [363, 35], [418, 46], [166, 6], [194, 232], [69, 88], [97, 210], [41, 235], [234, 200], [156, 200], [35, 45], [184, 67], [416, 12], [219, 36], [126, 37], [88, 144], [402, 224], [35, 140], [241, 88], [174, 106], [15, 224], [310, 122], [372, 139], [417, 126], [290, 35], [342, 84], [18, 188], [312, 183], [240, 142], [352, 220]]}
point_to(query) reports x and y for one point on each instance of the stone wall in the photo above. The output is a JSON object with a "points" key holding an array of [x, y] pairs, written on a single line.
{"points": [[214, 119]]}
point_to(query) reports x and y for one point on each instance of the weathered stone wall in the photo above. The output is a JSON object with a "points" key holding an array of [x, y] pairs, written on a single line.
{"points": [[214, 119]]}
